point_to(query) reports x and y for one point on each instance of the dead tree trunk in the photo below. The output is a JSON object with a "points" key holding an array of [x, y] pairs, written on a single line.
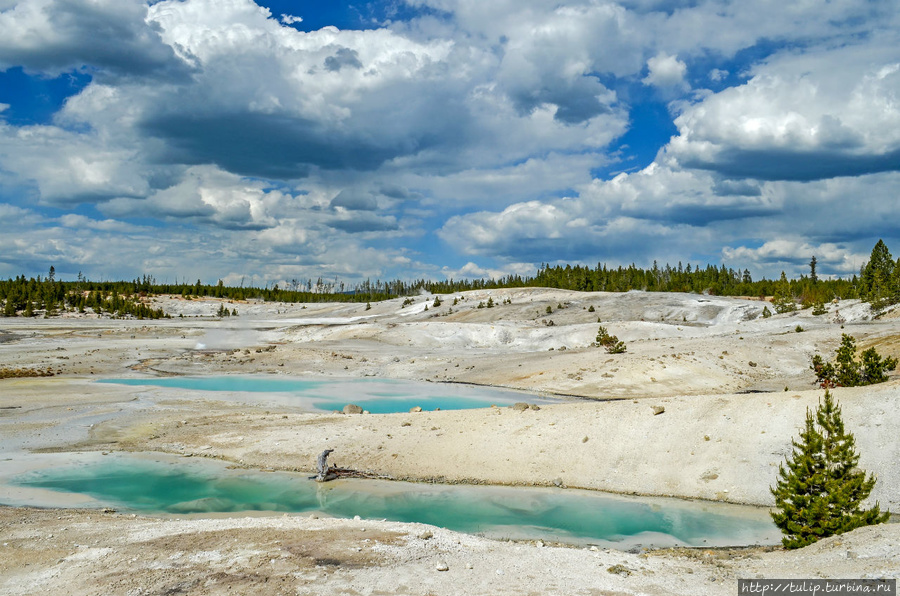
{"points": [[322, 468], [324, 472]]}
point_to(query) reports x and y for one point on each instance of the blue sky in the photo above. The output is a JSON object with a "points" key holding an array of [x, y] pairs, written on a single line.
{"points": [[295, 139]]}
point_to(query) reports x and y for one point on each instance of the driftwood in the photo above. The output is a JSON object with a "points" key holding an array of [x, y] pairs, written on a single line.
{"points": [[324, 472]]}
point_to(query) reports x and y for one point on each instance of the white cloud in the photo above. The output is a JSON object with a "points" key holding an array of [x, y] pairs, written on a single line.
{"points": [[472, 271], [794, 254], [667, 72], [53, 36], [80, 222], [289, 19], [667, 214], [801, 116], [270, 101], [69, 167], [206, 193], [717, 74]]}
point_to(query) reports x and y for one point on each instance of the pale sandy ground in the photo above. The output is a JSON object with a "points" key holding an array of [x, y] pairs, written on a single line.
{"points": [[696, 356]]}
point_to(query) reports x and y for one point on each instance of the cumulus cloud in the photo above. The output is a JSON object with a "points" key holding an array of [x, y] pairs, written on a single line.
{"points": [[667, 72], [355, 200], [68, 167], [792, 254], [538, 232], [206, 193], [268, 101], [664, 214], [327, 99], [473, 270], [54, 36], [800, 117]]}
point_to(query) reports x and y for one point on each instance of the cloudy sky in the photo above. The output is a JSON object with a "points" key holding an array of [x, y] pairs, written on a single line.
{"points": [[294, 139]]}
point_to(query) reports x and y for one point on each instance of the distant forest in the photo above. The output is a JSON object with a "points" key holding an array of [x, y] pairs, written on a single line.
{"points": [[878, 282]]}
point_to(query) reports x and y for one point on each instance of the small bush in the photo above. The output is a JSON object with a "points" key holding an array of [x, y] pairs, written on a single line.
{"points": [[610, 342], [17, 373]]}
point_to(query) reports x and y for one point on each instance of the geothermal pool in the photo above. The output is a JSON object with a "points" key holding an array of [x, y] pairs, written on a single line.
{"points": [[378, 396], [161, 484]]}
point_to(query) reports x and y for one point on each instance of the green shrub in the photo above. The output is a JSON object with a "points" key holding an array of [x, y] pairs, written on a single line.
{"points": [[610, 342]]}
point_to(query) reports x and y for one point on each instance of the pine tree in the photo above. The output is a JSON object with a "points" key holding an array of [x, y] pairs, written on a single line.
{"points": [[848, 371], [783, 299], [9, 309], [820, 489], [895, 283], [876, 276]]}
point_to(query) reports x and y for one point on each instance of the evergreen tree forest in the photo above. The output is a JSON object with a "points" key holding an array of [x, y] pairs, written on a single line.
{"points": [[30, 297], [878, 282]]}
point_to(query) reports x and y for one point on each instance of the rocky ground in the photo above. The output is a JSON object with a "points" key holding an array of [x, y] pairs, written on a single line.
{"points": [[703, 404]]}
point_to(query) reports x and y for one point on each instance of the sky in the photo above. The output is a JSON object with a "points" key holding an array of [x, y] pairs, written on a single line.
{"points": [[405, 139]]}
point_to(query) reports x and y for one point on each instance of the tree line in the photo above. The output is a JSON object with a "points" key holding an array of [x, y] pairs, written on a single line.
{"points": [[878, 282], [29, 297]]}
